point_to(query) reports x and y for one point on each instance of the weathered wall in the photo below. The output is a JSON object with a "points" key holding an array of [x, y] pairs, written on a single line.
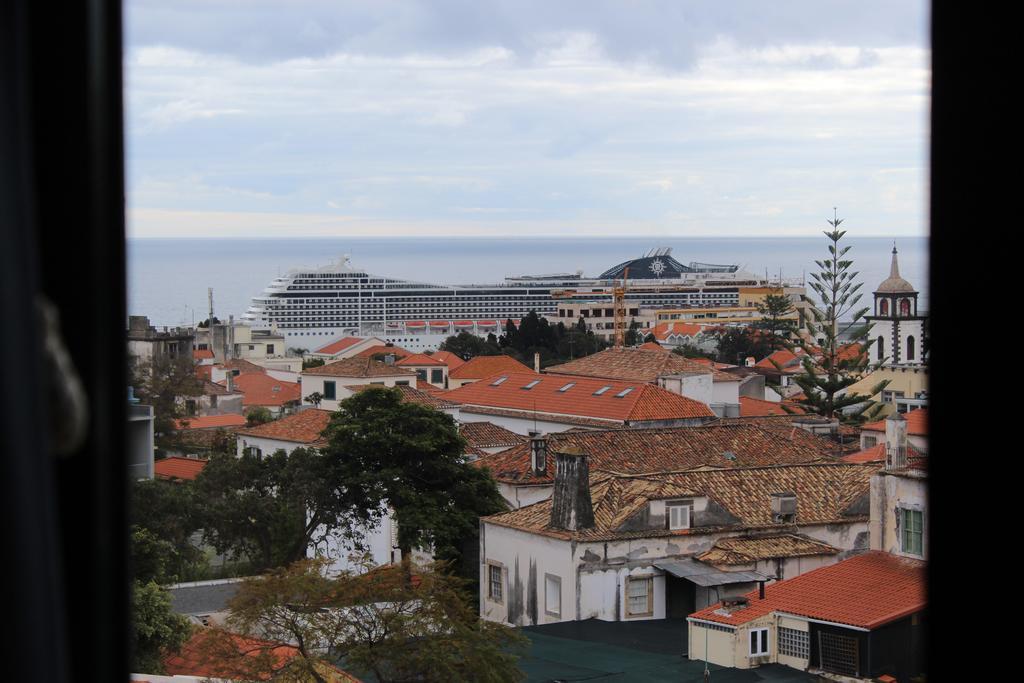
{"points": [[889, 492], [524, 559]]}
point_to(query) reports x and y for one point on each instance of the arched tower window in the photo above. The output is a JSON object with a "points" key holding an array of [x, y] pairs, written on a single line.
{"points": [[883, 307], [881, 348], [904, 308], [910, 348]]}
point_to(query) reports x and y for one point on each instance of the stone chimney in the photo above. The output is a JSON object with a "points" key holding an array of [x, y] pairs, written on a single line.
{"points": [[895, 442], [536, 362], [538, 454], [571, 508], [231, 380]]}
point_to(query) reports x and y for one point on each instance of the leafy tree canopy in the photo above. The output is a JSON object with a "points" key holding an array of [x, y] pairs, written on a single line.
{"points": [[258, 415], [156, 629]]}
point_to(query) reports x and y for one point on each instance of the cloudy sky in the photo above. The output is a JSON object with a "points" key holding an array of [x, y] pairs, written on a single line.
{"points": [[493, 117]]}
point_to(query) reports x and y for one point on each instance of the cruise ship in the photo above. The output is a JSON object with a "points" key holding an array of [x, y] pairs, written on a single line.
{"points": [[312, 307]]}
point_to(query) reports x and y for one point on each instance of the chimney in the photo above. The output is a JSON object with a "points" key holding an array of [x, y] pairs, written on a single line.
{"points": [[231, 381], [538, 454], [571, 508], [536, 361], [895, 442], [750, 361]]}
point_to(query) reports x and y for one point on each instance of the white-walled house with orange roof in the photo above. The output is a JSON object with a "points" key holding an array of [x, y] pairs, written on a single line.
{"points": [[333, 380]]}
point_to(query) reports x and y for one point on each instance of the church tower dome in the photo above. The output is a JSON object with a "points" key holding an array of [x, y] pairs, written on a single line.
{"points": [[894, 284]]}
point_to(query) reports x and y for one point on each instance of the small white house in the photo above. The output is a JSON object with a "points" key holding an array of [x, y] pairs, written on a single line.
{"points": [[335, 381]]}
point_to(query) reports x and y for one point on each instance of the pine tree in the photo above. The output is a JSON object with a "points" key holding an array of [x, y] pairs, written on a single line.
{"points": [[830, 367]]}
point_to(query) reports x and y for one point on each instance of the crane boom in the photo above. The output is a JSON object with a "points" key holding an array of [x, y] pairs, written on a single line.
{"points": [[619, 306]]}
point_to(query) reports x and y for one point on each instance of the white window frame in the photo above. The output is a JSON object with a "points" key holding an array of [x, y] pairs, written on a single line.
{"points": [[679, 505], [549, 609], [904, 510], [762, 641], [500, 597]]}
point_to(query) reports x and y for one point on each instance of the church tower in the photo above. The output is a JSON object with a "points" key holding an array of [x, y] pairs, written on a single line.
{"points": [[897, 331]]}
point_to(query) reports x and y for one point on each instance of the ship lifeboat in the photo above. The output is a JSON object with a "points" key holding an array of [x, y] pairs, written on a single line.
{"points": [[487, 323], [439, 324], [415, 324], [463, 323]]}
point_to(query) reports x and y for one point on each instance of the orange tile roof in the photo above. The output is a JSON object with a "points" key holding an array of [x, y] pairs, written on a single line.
{"points": [[264, 390], [756, 407], [359, 366], [339, 345], [876, 453], [304, 426], [667, 329], [202, 656], [642, 402], [783, 357], [244, 366], [485, 366], [489, 435], [199, 354], [449, 359], [210, 421], [653, 346], [204, 371], [642, 451], [917, 423], [433, 399], [749, 549], [420, 359], [640, 365], [398, 351], [866, 591], [175, 467]]}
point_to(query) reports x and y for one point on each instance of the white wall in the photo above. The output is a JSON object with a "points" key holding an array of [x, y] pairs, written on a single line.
{"points": [[725, 392], [522, 425], [888, 493], [698, 387], [315, 383]]}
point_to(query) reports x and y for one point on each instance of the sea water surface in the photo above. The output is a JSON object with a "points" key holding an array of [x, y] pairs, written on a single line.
{"points": [[168, 278]]}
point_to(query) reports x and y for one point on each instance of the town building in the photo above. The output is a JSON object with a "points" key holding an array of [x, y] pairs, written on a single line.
{"points": [[428, 369], [213, 399], [344, 347], [525, 472], [670, 371], [599, 316], [523, 402], [861, 618], [907, 387], [489, 438], [146, 343], [260, 389], [625, 547], [140, 439], [677, 334], [899, 495], [479, 367], [177, 468], [336, 381], [916, 430], [898, 328]]}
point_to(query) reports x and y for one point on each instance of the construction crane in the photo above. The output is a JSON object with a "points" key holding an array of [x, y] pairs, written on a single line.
{"points": [[619, 305]]}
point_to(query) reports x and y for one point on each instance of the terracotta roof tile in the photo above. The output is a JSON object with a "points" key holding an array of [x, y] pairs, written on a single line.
{"points": [[359, 366], [174, 467], [488, 435], [420, 359], [917, 423], [304, 426], [485, 366], [579, 396], [750, 549], [415, 395], [866, 591], [753, 407], [264, 390], [383, 349], [201, 354], [825, 493], [915, 459], [212, 389], [339, 345], [449, 359], [210, 421], [640, 365], [653, 346], [244, 366], [640, 451]]}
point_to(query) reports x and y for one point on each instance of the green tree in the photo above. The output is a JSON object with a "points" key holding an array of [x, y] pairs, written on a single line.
{"points": [[165, 512], [377, 623], [776, 322], [388, 452], [466, 345], [632, 336], [165, 383], [308, 363], [156, 629], [736, 344], [258, 416], [267, 509], [690, 351], [829, 368], [316, 398], [650, 338]]}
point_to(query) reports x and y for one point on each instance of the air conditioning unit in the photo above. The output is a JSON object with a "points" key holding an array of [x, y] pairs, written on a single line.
{"points": [[783, 506]]}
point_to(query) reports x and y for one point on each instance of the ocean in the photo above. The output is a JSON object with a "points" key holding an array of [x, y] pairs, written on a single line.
{"points": [[168, 278]]}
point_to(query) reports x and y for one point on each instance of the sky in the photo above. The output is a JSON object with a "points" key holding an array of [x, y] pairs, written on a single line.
{"points": [[250, 118]]}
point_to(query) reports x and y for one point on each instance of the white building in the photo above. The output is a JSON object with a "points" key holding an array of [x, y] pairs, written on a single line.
{"points": [[622, 548], [335, 381]]}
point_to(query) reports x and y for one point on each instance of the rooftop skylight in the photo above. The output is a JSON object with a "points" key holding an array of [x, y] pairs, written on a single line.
{"points": [[532, 384], [602, 390], [567, 387], [625, 391], [499, 380]]}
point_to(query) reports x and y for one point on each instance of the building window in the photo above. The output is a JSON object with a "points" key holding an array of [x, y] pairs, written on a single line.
{"points": [[794, 643], [552, 595], [330, 392], [910, 348], [436, 376], [911, 535], [678, 514], [270, 348], [881, 348], [494, 582], [254, 452], [758, 642], [870, 441], [640, 597]]}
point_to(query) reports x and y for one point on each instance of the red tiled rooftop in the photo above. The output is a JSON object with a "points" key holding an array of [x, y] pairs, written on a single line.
{"points": [[264, 390], [485, 366], [210, 421], [359, 366], [397, 351], [756, 407], [304, 426], [339, 345], [419, 359], [866, 591], [640, 402], [200, 354], [917, 423], [641, 365], [175, 467], [449, 359], [915, 459]]}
